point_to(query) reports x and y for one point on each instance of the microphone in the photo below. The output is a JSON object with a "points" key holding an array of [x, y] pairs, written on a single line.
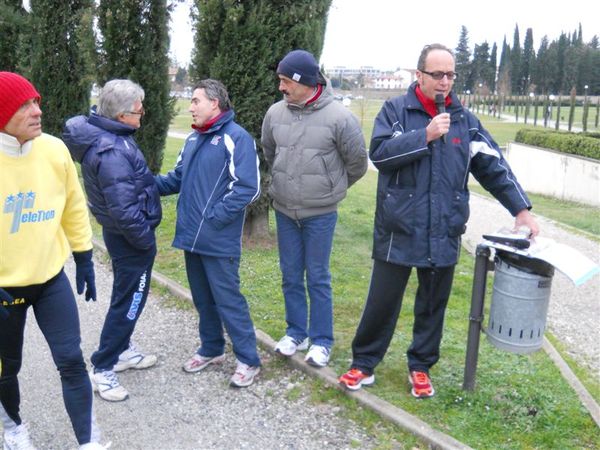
{"points": [[440, 104]]}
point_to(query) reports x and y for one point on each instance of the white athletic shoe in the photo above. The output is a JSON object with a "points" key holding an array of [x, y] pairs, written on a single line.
{"points": [[287, 345], [132, 358], [317, 356], [18, 439], [244, 375], [108, 387]]}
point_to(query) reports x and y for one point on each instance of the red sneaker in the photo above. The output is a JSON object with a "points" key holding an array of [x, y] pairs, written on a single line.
{"points": [[421, 384], [355, 378]]}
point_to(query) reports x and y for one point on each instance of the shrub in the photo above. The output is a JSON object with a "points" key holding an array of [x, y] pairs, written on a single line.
{"points": [[581, 144]]}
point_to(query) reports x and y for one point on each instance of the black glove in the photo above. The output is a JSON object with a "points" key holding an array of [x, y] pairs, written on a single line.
{"points": [[4, 296], [84, 274]]}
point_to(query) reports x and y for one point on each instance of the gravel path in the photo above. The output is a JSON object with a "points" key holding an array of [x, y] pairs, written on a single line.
{"points": [[574, 311], [169, 409]]}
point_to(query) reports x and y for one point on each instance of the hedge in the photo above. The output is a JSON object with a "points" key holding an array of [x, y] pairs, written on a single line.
{"points": [[581, 144]]}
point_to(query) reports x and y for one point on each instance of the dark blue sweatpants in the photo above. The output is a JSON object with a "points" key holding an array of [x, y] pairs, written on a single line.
{"points": [[380, 315], [56, 313], [132, 269], [215, 286]]}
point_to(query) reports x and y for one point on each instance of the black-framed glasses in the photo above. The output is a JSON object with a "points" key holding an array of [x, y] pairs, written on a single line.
{"points": [[438, 75]]}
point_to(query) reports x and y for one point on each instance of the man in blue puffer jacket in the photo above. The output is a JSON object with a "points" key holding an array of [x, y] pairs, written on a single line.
{"points": [[216, 176], [123, 197], [424, 157]]}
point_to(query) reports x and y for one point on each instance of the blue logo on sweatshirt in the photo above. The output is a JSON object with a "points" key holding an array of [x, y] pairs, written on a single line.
{"points": [[16, 204]]}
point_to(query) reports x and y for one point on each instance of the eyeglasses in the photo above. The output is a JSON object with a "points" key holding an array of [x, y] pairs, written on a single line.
{"points": [[438, 75], [141, 112]]}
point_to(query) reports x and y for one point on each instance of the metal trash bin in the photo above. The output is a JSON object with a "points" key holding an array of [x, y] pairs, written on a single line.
{"points": [[519, 306]]}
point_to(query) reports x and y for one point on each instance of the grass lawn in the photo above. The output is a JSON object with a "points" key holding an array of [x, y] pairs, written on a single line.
{"points": [[520, 401]]}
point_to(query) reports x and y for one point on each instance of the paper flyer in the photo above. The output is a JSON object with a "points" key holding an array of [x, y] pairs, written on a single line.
{"points": [[574, 264]]}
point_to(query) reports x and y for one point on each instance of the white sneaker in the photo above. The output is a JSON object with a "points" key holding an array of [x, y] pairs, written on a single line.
{"points": [[287, 345], [132, 358], [244, 375], [94, 446], [317, 356], [108, 387], [198, 362], [18, 439]]}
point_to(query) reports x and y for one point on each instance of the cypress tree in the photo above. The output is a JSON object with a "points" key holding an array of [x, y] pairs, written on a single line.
{"points": [[240, 44], [515, 63], [481, 73], [561, 49], [503, 83], [462, 58], [12, 22], [527, 61], [492, 68], [541, 73], [61, 33], [134, 44], [595, 69]]}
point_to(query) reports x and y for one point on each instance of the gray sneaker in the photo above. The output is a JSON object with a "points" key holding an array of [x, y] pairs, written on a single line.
{"points": [[317, 356], [287, 345], [198, 362], [244, 375], [108, 387], [132, 358]]}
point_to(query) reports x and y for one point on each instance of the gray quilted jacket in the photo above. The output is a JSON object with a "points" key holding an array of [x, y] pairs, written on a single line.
{"points": [[315, 153]]}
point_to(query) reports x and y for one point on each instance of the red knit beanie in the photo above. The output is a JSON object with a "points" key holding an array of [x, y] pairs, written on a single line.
{"points": [[14, 91]]}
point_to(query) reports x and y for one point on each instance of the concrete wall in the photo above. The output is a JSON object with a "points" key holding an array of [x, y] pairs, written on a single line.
{"points": [[556, 174]]}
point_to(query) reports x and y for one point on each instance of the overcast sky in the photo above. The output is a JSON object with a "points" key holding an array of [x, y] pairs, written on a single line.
{"points": [[388, 34]]}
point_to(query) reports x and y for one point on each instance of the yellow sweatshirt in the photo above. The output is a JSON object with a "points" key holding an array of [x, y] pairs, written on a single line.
{"points": [[43, 215]]}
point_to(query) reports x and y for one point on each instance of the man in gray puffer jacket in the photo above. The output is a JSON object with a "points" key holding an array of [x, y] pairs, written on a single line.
{"points": [[316, 150]]}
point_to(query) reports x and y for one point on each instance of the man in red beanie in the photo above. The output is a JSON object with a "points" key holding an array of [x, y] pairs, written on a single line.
{"points": [[43, 219]]}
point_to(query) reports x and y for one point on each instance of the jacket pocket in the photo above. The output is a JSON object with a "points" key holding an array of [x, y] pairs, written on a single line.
{"points": [[398, 210], [149, 206], [459, 213]]}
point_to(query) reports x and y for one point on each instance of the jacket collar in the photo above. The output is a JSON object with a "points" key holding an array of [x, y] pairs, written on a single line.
{"points": [[110, 125], [10, 146], [215, 124], [428, 103], [412, 101], [322, 97]]}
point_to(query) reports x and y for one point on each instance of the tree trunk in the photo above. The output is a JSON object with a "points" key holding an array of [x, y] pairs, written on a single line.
{"points": [[256, 228]]}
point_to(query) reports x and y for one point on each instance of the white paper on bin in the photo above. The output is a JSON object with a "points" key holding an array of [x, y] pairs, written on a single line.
{"points": [[574, 264]]}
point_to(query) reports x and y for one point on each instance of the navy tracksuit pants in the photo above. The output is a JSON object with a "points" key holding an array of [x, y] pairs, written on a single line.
{"points": [[132, 269], [56, 313], [380, 315], [215, 286]]}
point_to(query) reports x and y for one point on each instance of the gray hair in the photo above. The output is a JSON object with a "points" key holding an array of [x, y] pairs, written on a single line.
{"points": [[215, 90], [425, 52], [118, 97]]}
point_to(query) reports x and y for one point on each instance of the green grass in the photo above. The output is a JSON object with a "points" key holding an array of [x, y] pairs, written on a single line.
{"points": [[519, 402], [577, 215], [182, 121]]}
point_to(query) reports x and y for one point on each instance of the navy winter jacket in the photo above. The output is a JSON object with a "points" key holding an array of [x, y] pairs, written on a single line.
{"points": [[120, 188], [216, 176], [422, 195]]}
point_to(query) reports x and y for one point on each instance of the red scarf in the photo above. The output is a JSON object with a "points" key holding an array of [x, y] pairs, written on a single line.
{"points": [[208, 123], [428, 103]]}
